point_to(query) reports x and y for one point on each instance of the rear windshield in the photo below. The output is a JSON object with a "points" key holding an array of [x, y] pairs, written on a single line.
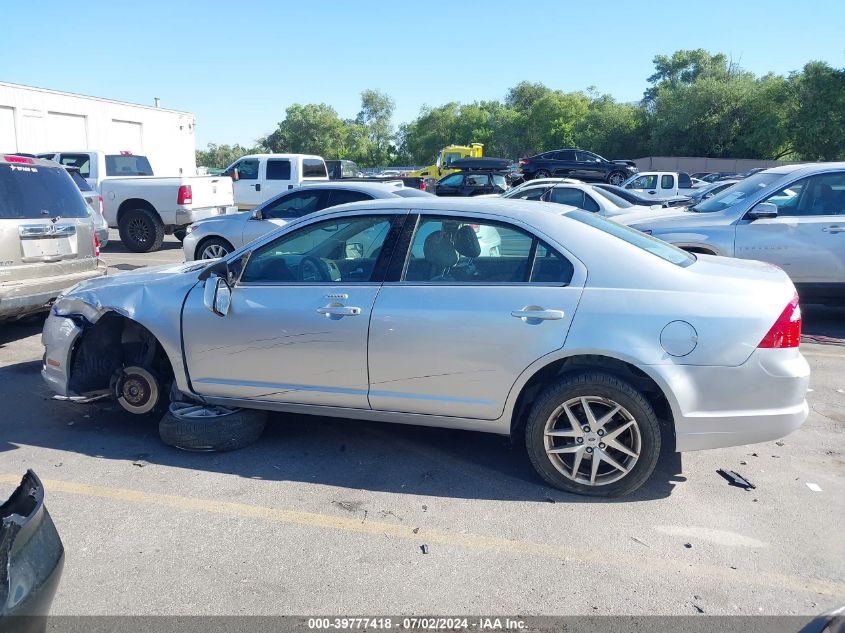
{"points": [[634, 237], [80, 181], [313, 168], [127, 165], [29, 192]]}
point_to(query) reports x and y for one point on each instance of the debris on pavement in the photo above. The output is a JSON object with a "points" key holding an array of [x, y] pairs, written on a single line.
{"points": [[635, 539], [735, 479], [416, 530], [140, 463], [688, 545], [779, 443], [814, 487], [743, 462], [424, 548], [550, 500]]}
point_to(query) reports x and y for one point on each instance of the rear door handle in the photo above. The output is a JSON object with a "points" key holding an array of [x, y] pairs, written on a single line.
{"points": [[340, 311], [538, 313], [834, 229]]}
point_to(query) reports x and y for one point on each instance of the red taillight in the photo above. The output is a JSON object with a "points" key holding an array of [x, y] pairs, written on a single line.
{"points": [[125, 153], [96, 245], [422, 184], [25, 160], [786, 332], [523, 161], [185, 196]]}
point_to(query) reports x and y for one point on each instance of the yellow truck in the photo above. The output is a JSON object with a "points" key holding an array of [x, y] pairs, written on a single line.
{"points": [[444, 160]]}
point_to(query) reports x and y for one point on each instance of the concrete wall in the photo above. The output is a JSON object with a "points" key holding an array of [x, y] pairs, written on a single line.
{"points": [[692, 164], [36, 120]]}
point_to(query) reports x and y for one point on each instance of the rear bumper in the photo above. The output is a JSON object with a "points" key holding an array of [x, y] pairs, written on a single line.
{"points": [[761, 400], [19, 298], [189, 216]]}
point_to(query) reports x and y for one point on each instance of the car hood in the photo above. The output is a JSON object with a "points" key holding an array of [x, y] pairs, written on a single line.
{"points": [[680, 219], [650, 215]]}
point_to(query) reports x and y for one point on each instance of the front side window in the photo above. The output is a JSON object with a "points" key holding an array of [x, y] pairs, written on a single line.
{"points": [[448, 157], [337, 250], [278, 169], [567, 155], [81, 161], [644, 182], [313, 168], [567, 195], [470, 251], [477, 180], [823, 194], [247, 169], [293, 205], [453, 180], [80, 181], [586, 157]]}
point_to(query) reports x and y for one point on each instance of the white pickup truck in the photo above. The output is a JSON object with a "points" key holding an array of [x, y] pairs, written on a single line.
{"points": [[143, 207], [259, 177], [661, 184]]}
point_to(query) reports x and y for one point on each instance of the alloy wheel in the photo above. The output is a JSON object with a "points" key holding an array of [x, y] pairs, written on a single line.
{"points": [[592, 440], [214, 251], [138, 230]]}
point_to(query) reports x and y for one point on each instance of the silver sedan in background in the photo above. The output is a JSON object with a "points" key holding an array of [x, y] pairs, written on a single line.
{"points": [[220, 235], [593, 341]]}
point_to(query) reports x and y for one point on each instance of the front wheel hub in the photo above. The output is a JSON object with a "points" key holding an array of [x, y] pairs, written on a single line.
{"points": [[137, 390]]}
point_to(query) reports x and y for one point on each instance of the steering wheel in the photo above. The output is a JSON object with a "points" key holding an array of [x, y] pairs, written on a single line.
{"points": [[314, 269]]}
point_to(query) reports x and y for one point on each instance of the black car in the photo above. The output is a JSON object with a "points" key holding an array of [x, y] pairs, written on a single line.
{"points": [[471, 183], [719, 175], [577, 163]]}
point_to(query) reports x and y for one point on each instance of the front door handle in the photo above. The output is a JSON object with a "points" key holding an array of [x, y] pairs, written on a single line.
{"points": [[339, 310], [540, 314], [257, 187], [834, 229]]}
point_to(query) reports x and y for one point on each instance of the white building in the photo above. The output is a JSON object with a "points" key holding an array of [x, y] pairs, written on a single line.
{"points": [[35, 120]]}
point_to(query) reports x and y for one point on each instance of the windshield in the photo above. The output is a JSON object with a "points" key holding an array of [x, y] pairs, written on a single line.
{"points": [[29, 192], [739, 192], [619, 202], [127, 165], [657, 247]]}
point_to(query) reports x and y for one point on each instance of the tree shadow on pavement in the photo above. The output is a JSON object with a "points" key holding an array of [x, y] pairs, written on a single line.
{"points": [[12, 331]]}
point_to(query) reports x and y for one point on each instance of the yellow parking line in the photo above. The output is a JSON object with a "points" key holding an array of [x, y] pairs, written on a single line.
{"points": [[441, 537]]}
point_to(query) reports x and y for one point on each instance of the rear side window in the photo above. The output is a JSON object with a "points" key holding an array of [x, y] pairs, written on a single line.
{"points": [[667, 181], [126, 165], [81, 161], [313, 168], [684, 181], [80, 181], [568, 195], [278, 169], [29, 192], [344, 196], [566, 154], [634, 237]]}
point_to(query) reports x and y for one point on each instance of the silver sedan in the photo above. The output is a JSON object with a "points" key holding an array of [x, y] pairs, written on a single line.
{"points": [[593, 341]]}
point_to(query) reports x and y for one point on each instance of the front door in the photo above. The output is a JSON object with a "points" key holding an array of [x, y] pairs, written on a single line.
{"points": [[296, 330], [463, 322], [807, 238], [451, 185], [247, 187], [278, 212]]}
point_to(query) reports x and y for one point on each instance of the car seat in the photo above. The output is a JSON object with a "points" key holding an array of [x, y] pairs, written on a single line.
{"points": [[440, 253]]}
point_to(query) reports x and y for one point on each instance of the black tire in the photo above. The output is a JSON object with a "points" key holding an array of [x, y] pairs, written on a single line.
{"points": [[616, 178], [180, 234], [210, 243], [141, 230], [599, 385], [223, 430], [543, 173]]}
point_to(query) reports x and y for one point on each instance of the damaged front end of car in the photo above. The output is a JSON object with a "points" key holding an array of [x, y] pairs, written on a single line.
{"points": [[31, 558]]}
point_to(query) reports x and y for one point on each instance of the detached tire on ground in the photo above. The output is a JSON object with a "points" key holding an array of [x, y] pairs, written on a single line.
{"points": [[141, 230], [209, 428]]}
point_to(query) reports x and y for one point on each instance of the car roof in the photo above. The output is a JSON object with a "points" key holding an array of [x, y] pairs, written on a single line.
{"points": [[376, 189], [807, 168], [280, 156]]}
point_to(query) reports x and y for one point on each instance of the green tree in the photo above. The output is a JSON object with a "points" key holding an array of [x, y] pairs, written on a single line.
{"points": [[376, 116], [816, 112], [552, 120], [221, 156], [313, 128], [612, 129]]}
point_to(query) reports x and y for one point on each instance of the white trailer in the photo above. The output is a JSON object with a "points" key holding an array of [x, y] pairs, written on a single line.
{"points": [[36, 120]]}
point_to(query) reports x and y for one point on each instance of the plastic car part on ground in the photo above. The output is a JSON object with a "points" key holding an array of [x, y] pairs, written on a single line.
{"points": [[198, 427]]}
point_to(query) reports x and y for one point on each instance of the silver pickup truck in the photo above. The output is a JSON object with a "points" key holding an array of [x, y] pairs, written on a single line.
{"points": [[791, 216]]}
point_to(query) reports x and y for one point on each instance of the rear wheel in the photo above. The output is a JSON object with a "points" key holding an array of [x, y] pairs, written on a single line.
{"points": [[141, 230], [593, 434], [541, 174], [213, 248], [180, 234], [616, 178]]}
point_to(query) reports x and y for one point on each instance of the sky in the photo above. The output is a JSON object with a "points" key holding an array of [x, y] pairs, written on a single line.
{"points": [[238, 65]]}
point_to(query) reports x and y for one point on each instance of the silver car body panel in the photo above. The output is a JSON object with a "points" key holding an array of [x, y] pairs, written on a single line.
{"points": [[435, 351]]}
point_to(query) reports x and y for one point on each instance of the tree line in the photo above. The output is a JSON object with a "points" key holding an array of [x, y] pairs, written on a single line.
{"points": [[696, 104]]}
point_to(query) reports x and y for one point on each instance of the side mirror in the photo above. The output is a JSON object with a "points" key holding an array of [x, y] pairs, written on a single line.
{"points": [[235, 175], [217, 295], [763, 210], [256, 215]]}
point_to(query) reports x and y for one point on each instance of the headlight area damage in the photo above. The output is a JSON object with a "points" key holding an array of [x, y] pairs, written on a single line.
{"points": [[93, 352], [31, 558]]}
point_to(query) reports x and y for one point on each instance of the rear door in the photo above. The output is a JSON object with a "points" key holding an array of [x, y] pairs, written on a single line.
{"points": [[46, 228], [807, 238], [589, 167], [668, 186], [563, 163], [451, 335], [279, 176]]}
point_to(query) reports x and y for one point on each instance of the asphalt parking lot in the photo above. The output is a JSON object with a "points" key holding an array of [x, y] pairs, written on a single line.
{"points": [[328, 507]]}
